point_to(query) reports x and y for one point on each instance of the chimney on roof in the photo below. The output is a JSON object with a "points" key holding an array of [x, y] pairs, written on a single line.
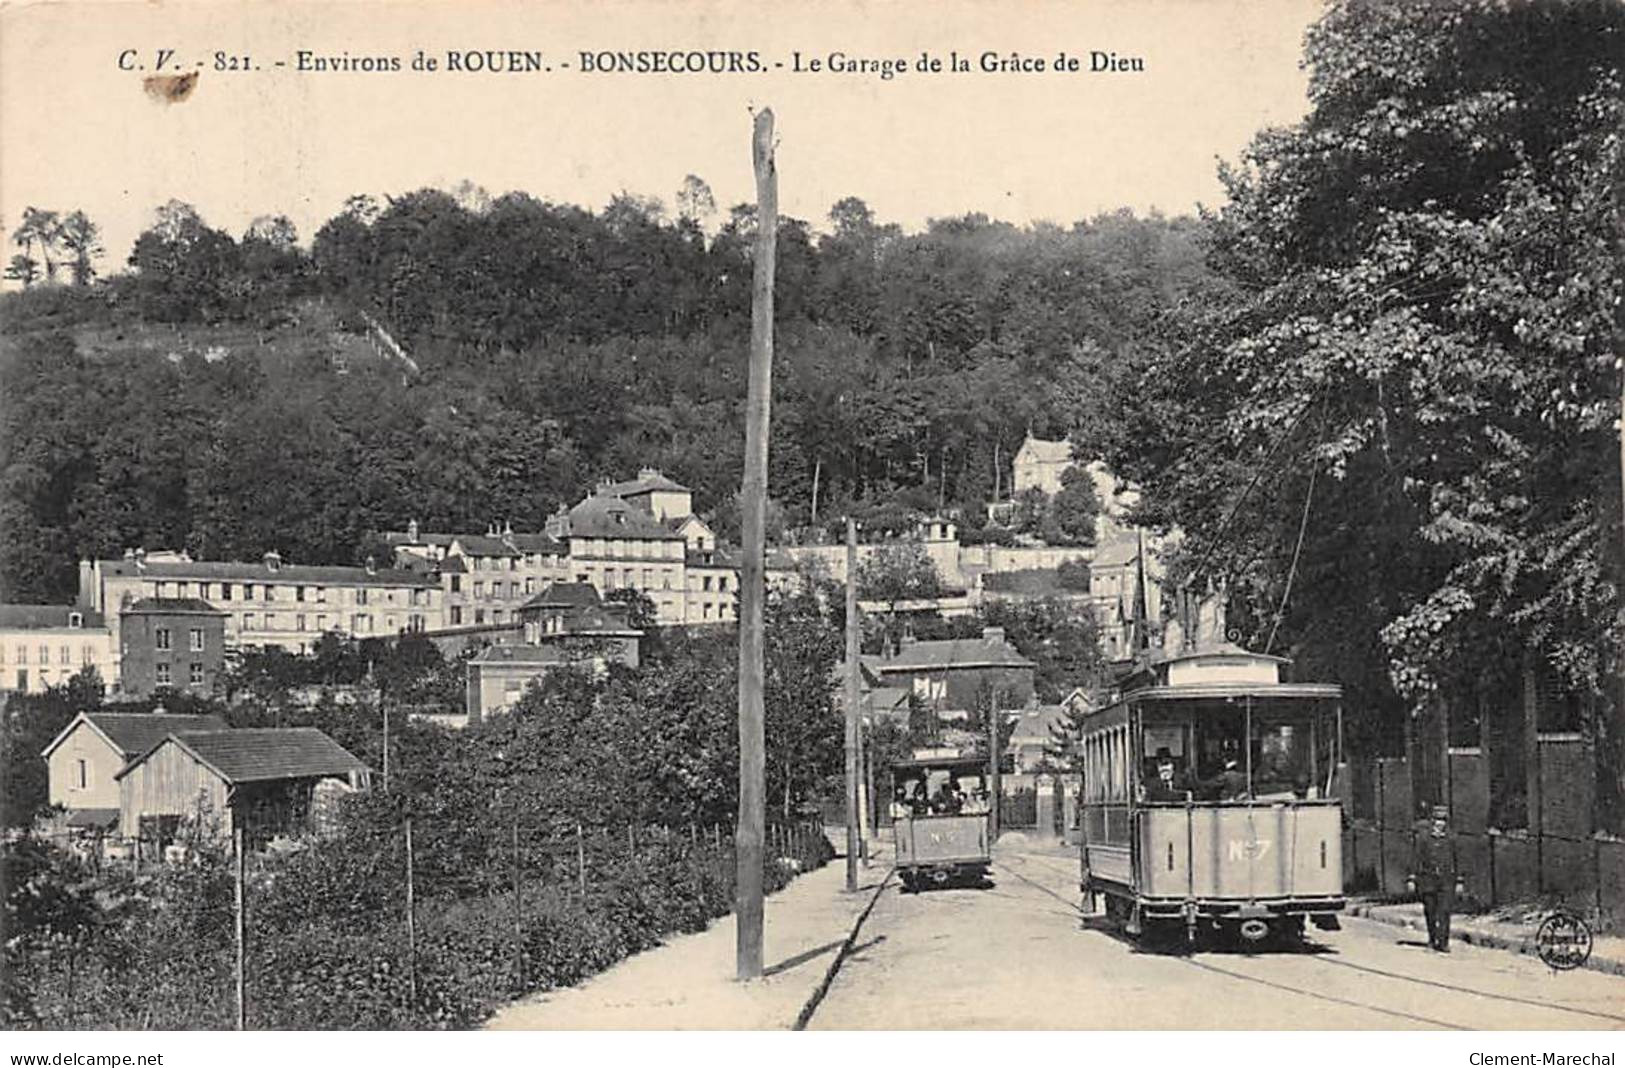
{"points": [[159, 710], [649, 472], [993, 634], [507, 528], [273, 560], [129, 553], [140, 558], [372, 565], [412, 531]]}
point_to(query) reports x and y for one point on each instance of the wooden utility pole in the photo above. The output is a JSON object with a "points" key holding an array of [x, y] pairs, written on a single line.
{"points": [[241, 932], [852, 698], [411, 922], [752, 591]]}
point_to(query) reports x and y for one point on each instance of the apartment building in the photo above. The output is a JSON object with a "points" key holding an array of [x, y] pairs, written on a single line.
{"points": [[270, 603]]}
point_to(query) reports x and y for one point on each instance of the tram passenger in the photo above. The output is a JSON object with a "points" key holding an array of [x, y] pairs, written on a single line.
{"points": [[949, 800], [1433, 876], [1165, 783], [901, 808], [1229, 785]]}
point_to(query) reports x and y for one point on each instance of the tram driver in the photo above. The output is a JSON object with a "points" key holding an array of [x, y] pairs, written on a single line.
{"points": [[1166, 781]]}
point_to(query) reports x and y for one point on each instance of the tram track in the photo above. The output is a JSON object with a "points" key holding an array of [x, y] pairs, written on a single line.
{"points": [[1289, 987]]}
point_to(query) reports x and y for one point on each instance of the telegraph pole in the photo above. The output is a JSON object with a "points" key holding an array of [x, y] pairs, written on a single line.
{"points": [[752, 817], [852, 699]]}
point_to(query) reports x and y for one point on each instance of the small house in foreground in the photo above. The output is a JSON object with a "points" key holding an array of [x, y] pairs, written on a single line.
{"points": [[270, 781], [84, 760]]}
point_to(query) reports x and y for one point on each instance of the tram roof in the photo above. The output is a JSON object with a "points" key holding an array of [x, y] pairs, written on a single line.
{"points": [[1210, 691], [918, 763]]}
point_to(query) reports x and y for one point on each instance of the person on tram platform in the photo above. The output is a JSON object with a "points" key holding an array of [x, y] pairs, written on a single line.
{"points": [[949, 799]]}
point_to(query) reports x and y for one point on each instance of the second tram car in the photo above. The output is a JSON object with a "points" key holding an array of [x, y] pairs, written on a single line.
{"points": [[1208, 798], [941, 819]]}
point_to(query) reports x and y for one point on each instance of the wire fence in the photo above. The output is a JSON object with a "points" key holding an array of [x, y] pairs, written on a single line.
{"points": [[421, 925]]}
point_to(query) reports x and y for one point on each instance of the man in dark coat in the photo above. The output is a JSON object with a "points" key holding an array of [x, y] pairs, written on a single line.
{"points": [[1433, 876]]}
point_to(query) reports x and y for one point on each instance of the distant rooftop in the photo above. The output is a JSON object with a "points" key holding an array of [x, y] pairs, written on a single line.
{"points": [[46, 616], [135, 733], [649, 480], [179, 605], [273, 570]]}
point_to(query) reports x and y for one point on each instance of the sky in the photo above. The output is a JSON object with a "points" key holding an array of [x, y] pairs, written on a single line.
{"points": [[78, 132]]}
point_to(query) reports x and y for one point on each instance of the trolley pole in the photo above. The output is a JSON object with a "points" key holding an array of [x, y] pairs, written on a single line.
{"points": [[241, 928], [852, 699], [752, 592]]}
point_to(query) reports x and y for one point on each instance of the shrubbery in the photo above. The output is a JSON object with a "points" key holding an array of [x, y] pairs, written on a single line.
{"points": [[328, 945]]}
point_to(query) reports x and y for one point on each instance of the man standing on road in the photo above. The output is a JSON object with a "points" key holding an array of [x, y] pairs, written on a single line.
{"points": [[1433, 876]]}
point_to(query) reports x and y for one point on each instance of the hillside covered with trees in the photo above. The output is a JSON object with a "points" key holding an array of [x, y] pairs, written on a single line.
{"points": [[210, 396]]}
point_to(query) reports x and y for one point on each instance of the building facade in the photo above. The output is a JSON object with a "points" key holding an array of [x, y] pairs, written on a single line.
{"points": [[270, 603], [566, 625], [45, 645], [171, 643]]}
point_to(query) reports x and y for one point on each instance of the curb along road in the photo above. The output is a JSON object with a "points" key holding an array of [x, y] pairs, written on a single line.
{"points": [[1483, 939], [805, 1016]]}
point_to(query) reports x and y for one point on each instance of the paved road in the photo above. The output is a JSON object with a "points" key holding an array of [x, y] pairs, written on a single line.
{"points": [[1019, 955]]}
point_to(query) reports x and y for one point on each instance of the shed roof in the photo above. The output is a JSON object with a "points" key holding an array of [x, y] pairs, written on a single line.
{"points": [[261, 754]]}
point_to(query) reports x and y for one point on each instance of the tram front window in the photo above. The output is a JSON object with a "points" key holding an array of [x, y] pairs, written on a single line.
{"points": [[1283, 760]]}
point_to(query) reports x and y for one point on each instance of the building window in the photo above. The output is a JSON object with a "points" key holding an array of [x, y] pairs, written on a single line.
{"points": [[361, 623], [65, 655], [479, 616], [361, 597], [22, 654], [457, 584], [456, 615], [84, 775], [530, 586], [299, 593], [705, 584], [479, 589], [248, 620], [163, 674], [45, 655], [161, 636], [707, 614], [248, 591], [196, 640], [225, 591], [321, 594], [321, 623], [195, 675], [86, 655], [299, 621], [270, 621]]}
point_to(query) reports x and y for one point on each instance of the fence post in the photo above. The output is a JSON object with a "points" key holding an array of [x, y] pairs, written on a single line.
{"points": [[241, 930], [411, 923], [518, 913], [581, 860], [1491, 839]]}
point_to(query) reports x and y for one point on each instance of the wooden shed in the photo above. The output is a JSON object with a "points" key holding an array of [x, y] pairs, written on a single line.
{"points": [[267, 780]]}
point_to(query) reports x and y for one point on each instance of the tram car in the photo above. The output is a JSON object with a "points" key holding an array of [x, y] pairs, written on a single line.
{"points": [[1208, 799], [941, 819]]}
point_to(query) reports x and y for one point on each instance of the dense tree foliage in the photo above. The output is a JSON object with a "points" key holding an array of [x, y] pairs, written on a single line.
{"points": [[1390, 424]]}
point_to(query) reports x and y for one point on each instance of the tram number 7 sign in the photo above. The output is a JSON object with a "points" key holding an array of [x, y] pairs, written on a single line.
{"points": [[1241, 849]]}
